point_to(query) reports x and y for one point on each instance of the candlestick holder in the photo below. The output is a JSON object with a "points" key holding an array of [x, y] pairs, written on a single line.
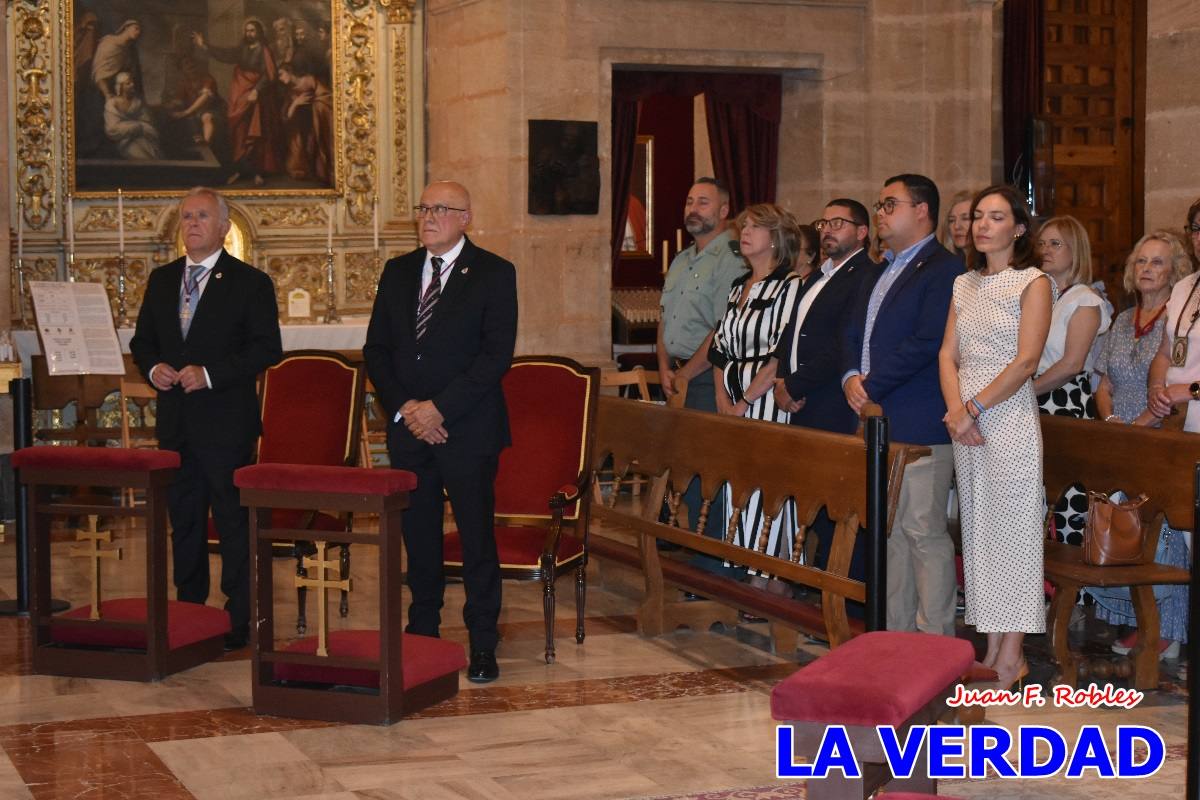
{"points": [[20, 279], [122, 311], [331, 314]]}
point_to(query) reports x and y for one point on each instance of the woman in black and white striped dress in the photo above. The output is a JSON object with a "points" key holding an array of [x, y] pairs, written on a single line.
{"points": [[761, 304]]}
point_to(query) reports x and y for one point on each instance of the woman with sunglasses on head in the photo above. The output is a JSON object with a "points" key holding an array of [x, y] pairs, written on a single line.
{"points": [[995, 332]]}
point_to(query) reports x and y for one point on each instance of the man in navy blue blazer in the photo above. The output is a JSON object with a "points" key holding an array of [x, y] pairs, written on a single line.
{"points": [[890, 357]]}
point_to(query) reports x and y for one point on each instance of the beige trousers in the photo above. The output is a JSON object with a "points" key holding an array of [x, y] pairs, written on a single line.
{"points": [[920, 567]]}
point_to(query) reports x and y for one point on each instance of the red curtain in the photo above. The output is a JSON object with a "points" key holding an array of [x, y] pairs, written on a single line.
{"points": [[1023, 61], [743, 130], [744, 113], [624, 137]]}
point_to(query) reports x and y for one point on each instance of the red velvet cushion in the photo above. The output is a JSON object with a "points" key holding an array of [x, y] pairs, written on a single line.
{"points": [[310, 478], [309, 402], [517, 547], [423, 657], [879, 678], [95, 458], [547, 407], [186, 623]]}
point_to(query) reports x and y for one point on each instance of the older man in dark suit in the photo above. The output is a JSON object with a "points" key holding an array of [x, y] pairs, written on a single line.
{"points": [[209, 324], [441, 337]]}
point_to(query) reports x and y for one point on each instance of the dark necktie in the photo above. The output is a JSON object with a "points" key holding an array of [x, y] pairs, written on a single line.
{"points": [[430, 298], [191, 297]]}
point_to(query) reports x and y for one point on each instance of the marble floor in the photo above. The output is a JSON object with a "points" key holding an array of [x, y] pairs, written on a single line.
{"points": [[682, 716]]}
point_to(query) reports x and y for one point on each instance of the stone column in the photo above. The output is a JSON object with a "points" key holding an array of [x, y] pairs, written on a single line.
{"points": [[1172, 112]]}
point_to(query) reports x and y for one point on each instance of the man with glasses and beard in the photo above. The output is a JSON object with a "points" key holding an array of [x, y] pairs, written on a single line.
{"points": [[890, 357], [809, 378], [695, 295]]}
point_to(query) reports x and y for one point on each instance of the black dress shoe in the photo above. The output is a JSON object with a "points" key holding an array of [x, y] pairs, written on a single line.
{"points": [[692, 597], [483, 668], [237, 638]]}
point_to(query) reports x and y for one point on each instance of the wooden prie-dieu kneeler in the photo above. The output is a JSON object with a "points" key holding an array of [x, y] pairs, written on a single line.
{"points": [[139, 638], [375, 675]]}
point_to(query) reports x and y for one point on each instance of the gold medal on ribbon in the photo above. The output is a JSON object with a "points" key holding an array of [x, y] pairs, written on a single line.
{"points": [[1179, 350]]}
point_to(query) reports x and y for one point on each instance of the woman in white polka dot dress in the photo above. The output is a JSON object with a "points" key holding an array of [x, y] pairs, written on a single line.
{"points": [[995, 332]]}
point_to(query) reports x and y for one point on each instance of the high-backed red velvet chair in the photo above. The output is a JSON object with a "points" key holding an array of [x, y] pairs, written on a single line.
{"points": [[311, 404], [541, 483]]}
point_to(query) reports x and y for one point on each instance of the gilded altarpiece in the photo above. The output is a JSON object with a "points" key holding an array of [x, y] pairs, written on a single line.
{"points": [[379, 143]]}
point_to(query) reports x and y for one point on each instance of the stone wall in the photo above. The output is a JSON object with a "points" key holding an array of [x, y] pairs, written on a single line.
{"points": [[870, 89], [1172, 111]]}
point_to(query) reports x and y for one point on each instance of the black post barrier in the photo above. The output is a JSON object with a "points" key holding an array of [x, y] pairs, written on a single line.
{"points": [[21, 391], [877, 492], [1193, 724]]}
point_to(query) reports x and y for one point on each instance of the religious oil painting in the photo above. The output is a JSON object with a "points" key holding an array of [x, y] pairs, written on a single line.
{"points": [[165, 95], [639, 219], [564, 167]]}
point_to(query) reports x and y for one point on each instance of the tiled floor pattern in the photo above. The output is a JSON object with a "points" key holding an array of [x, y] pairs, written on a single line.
{"points": [[681, 716]]}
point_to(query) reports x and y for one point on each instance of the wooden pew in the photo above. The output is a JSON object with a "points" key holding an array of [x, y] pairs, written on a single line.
{"points": [[813, 467], [1104, 458]]}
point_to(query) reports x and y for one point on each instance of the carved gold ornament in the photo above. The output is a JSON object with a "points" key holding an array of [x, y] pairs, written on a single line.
{"points": [[359, 96], [291, 216], [34, 129], [362, 280]]}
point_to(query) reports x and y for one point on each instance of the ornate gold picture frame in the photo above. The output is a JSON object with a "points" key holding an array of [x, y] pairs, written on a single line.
{"points": [[639, 219], [162, 96]]}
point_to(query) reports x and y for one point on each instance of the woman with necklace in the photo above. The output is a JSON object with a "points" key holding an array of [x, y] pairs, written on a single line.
{"points": [[1155, 265], [995, 333], [1158, 262], [1080, 315], [1174, 383], [761, 303]]}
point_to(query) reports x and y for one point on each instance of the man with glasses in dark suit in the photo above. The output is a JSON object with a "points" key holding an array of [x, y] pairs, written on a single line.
{"points": [[441, 337]]}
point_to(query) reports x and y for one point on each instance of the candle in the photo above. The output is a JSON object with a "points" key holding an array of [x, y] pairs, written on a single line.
{"points": [[120, 222], [666, 264], [70, 224], [678, 240], [329, 227], [20, 229], [375, 221]]}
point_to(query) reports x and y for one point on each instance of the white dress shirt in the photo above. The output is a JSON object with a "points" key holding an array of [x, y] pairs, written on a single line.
{"points": [[828, 269], [208, 263]]}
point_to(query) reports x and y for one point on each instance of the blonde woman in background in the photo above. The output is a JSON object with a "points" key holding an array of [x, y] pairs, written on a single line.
{"points": [[958, 224], [1080, 314]]}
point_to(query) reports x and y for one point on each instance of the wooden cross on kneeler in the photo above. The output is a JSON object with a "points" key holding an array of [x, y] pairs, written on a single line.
{"points": [[322, 586], [92, 550]]}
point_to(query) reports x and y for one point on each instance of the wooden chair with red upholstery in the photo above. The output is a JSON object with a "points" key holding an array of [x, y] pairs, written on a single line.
{"points": [[542, 483], [311, 405]]}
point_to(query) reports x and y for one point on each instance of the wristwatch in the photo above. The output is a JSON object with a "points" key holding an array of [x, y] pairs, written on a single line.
{"points": [[1194, 388]]}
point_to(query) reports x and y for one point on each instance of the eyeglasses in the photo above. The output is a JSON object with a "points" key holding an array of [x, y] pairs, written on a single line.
{"points": [[888, 206], [438, 211], [834, 224], [1193, 229], [1050, 244]]}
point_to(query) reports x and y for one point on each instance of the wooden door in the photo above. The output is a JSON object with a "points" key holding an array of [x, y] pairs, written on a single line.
{"points": [[1091, 96]]}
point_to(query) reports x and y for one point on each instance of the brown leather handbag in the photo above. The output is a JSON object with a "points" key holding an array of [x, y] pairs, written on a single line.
{"points": [[1113, 535]]}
